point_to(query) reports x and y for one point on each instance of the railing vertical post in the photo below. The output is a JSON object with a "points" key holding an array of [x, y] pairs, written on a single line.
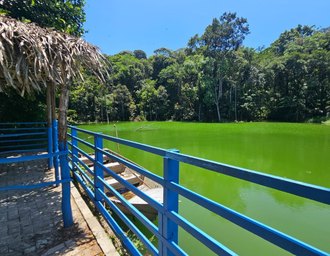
{"points": [[66, 193], [55, 149], [74, 143], [167, 227], [50, 146], [98, 171]]}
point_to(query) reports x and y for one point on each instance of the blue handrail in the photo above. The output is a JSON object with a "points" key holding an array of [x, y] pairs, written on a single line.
{"points": [[23, 137], [23, 123], [36, 142], [168, 217]]}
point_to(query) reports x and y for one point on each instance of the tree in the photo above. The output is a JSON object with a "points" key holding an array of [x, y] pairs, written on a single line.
{"points": [[129, 70], [153, 102], [193, 76], [123, 104], [139, 54], [295, 35], [185, 108], [162, 59], [224, 34], [220, 39]]}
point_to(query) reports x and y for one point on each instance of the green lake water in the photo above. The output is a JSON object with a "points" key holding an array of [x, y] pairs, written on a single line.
{"points": [[295, 151]]}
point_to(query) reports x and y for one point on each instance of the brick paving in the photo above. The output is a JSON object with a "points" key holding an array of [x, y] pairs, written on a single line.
{"points": [[31, 220]]}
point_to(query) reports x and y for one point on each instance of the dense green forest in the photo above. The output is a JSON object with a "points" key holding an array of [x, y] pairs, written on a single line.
{"points": [[215, 78]]}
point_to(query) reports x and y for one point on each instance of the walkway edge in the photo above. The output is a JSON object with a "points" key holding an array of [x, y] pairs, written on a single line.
{"points": [[100, 235]]}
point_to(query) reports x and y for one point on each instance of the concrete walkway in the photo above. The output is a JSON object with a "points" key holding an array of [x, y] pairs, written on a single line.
{"points": [[31, 220]]}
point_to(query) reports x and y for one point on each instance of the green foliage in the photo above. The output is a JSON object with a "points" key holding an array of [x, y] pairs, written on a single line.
{"points": [[153, 102], [139, 54], [224, 34], [64, 15], [14, 108], [215, 77]]}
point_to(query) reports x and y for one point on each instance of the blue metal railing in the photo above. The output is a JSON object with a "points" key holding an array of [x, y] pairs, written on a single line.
{"points": [[30, 137], [36, 141], [23, 137], [168, 217]]}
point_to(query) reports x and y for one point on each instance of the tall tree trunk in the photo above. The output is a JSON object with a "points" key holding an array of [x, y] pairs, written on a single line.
{"points": [[218, 112], [217, 97], [53, 105], [49, 106], [107, 114], [65, 172], [235, 99], [49, 126], [62, 120]]}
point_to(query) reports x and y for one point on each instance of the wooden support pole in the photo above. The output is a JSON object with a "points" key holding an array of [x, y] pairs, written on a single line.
{"points": [[53, 106], [65, 171], [55, 131], [49, 126], [62, 118]]}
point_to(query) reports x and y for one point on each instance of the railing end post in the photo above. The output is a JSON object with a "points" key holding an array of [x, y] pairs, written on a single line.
{"points": [[98, 171], [66, 189], [168, 228], [50, 146]]}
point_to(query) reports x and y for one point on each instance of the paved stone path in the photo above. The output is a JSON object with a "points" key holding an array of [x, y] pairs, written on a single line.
{"points": [[31, 220]]}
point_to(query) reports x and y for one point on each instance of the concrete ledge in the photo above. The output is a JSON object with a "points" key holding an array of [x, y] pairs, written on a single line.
{"points": [[101, 236]]}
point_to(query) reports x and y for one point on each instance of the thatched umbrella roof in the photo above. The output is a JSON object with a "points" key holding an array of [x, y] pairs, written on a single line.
{"points": [[31, 57]]}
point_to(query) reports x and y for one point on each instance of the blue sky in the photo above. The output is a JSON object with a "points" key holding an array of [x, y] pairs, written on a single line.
{"points": [[117, 25]]}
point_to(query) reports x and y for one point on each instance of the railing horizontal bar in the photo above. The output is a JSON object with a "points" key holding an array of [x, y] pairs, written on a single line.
{"points": [[23, 145], [135, 167], [118, 230], [130, 224], [33, 186], [83, 142], [144, 147], [200, 235], [22, 134], [175, 248], [23, 123], [131, 208], [85, 175], [89, 192], [22, 128], [82, 130], [84, 165], [30, 158], [22, 151], [23, 140], [82, 152], [132, 188], [312, 192], [272, 235]]}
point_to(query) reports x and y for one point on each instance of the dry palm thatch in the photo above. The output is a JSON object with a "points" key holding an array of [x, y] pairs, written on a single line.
{"points": [[32, 57]]}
